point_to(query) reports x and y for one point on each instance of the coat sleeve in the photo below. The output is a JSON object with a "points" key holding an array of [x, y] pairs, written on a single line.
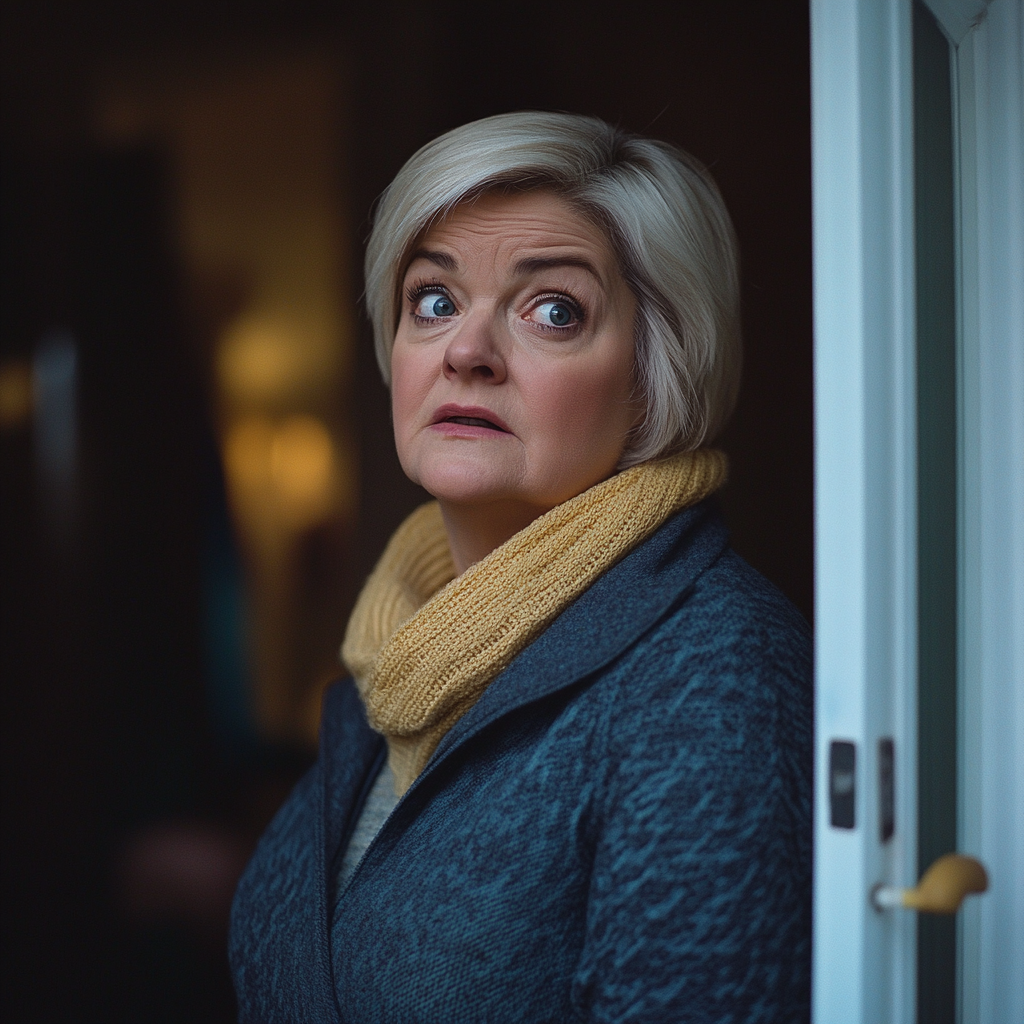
{"points": [[699, 906]]}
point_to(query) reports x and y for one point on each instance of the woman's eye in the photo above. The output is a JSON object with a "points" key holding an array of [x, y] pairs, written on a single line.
{"points": [[433, 305], [556, 314]]}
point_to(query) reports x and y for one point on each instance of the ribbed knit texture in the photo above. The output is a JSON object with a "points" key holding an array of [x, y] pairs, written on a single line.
{"points": [[423, 645]]}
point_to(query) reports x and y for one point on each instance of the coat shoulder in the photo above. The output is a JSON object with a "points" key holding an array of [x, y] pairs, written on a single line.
{"points": [[705, 804], [726, 677], [731, 627]]}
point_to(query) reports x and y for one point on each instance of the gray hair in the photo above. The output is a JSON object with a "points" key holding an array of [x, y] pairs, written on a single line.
{"points": [[667, 224]]}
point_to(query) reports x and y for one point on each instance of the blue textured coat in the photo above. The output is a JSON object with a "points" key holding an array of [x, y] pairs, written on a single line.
{"points": [[619, 829]]}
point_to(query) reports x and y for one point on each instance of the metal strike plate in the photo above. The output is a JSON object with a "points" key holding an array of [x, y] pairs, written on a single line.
{"points": [[886, 789], [842, 773]]}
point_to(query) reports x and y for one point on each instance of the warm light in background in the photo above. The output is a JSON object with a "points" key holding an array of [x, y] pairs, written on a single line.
{"points": [[258, 362], [283, 475], [302, 468], [16, 394], [247, 457], [274, 360], [254, 143]]}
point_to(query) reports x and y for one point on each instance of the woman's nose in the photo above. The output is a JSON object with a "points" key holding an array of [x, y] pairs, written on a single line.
{"points": [[475, 353]]}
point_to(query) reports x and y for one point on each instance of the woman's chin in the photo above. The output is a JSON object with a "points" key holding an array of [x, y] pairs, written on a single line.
{"points": [[470, 493], [468, 481]]}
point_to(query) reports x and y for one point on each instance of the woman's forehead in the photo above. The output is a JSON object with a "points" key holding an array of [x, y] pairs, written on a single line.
{"points": [[517, 228]]}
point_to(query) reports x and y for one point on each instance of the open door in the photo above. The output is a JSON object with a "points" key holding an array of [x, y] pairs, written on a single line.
{"points": [[919, 390]]}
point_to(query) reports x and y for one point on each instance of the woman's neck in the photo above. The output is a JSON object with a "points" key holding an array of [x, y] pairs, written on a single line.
{"points": [[474, 531]]}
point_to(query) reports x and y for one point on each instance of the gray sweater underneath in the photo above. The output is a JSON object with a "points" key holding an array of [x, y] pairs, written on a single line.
{"points": [[380, 802]]}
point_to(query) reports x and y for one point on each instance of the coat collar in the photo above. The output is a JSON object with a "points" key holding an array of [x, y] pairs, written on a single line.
{"points": [[594, 630], [603, 622]]}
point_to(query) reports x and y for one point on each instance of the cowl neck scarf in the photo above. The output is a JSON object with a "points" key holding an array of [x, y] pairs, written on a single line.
{"points": [[423, 644]]}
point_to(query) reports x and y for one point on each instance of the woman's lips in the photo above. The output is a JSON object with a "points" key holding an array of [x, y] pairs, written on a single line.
{"points": [[467, 421]]}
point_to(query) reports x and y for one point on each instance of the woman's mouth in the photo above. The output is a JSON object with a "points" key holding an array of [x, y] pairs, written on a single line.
{"points": [[468, 419], [472, 421]]}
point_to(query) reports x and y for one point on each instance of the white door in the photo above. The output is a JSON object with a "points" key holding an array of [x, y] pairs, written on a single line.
{"points": [[919, 395]]}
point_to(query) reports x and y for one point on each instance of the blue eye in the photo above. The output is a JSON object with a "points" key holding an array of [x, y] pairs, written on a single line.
{"points": [[557, 314], [434, 304]]}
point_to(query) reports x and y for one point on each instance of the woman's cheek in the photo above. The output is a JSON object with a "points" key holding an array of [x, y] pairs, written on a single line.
{"points": [[404, 389], [593, 404]]}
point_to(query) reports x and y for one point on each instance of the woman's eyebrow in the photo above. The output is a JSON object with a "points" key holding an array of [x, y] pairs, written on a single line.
{"points": [[532, 264], [439, 259]]}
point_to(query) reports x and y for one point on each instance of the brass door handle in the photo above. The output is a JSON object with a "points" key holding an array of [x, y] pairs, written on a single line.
{"points": [[942, 888]]}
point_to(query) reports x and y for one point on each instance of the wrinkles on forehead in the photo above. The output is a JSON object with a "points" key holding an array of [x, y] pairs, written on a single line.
{"points": [[525, 238]]}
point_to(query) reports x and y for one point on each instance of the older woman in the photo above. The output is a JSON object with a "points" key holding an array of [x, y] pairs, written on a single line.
{"points": [[570, 778]]}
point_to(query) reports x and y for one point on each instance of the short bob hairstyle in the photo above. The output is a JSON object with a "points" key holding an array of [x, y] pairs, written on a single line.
{"points": [[666, 222]]}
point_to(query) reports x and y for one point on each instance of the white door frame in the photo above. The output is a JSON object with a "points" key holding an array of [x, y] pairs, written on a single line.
{"points": [[865, 475], [865, 484]]}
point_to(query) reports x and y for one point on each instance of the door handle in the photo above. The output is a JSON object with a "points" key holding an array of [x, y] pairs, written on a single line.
{"points": [[942, 888]]}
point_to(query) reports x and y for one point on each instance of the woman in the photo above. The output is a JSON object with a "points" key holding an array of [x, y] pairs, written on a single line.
{"points": [[571, 778]]}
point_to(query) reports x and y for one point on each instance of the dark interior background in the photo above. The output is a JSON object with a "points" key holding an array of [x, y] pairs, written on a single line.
{"points": [[109, 725]]}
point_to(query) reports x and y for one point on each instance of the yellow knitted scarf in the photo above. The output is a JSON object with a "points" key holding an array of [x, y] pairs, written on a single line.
{"points": [[424, 645]]}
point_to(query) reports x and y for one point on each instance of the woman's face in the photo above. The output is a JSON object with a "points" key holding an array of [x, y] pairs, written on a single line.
{"points": [[513, 365]]}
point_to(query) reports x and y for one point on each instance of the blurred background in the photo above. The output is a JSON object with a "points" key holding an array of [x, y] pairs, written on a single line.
{"points": [[196, 467]]}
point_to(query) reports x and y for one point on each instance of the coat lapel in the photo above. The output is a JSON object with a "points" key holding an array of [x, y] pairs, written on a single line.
{"points": [[351, 754], [603, 622]]}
